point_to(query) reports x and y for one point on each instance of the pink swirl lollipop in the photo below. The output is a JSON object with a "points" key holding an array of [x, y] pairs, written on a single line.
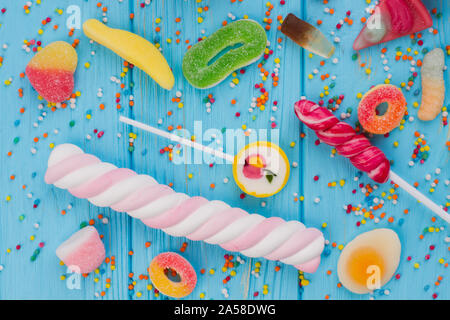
{"points": [[356, 147], [348, 143], [160, 207]]}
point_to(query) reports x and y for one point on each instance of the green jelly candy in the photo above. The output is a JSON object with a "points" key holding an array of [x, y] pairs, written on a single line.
{"points": [[208, 62]]}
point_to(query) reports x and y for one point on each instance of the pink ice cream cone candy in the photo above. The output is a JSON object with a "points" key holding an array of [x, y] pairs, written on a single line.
{"points": [[348, 143], [177, 214]]}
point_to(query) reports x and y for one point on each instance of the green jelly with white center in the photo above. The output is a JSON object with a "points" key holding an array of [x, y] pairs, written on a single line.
{"points": [[230, 48]]}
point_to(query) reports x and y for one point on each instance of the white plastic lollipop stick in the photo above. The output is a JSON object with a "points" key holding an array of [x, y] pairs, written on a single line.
{"points": [[419, 196], [271, 167], [392, 175], [176, 138]]}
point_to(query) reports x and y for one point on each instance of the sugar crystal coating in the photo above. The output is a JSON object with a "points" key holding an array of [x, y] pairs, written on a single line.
{"points": [[246, 40], [396, 108], [51, 70], [433, 85], [171, 261]]}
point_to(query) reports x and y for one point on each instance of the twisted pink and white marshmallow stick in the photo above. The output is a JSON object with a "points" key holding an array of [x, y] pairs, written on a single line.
{"points": [[158, 206], [362, 154]]}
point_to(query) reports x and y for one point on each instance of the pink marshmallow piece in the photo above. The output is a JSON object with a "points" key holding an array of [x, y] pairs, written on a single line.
{"points": [[83, 252]]}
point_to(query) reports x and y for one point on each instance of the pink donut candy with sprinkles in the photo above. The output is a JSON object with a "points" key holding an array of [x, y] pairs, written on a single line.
{"points": [[356, 147], [177, 214]]}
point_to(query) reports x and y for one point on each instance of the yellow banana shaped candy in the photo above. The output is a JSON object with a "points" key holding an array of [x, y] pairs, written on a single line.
{"points": [[134, 49]]}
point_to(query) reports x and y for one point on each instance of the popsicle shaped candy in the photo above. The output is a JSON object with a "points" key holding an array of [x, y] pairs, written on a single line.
{"points": [[51, 70], [393, 19], [307, 36]]}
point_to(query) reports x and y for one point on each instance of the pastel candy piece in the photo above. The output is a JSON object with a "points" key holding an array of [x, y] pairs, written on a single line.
{"points": [[51, 70], [134, 49], [393, 115], [393, 19], [83, 252], [261, 169], [433, 85], [195, 218], [307, 36], [202, 71], [175, 214], [171, 261]]}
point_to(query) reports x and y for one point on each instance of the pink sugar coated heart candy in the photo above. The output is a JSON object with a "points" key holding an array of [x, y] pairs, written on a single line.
{"points": [[83, 252], [51, 70]]}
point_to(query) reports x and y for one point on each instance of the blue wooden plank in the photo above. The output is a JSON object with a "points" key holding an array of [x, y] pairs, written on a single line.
{"points": [[153, 103], [22, 278]]}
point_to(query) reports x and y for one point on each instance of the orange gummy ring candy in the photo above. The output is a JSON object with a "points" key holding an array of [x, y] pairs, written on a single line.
{"points": [[172, 261], [367, 109]]}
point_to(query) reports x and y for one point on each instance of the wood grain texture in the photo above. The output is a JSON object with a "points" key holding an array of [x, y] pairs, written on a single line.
{"points": [[41, 279]]}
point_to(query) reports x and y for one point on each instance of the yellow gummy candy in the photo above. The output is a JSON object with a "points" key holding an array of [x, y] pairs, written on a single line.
{"points": [[433, 85], [58, 55], [134, 49]]}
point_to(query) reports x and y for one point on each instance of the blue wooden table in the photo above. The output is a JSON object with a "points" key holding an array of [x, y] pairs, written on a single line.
{"points": [[35, 216]]}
